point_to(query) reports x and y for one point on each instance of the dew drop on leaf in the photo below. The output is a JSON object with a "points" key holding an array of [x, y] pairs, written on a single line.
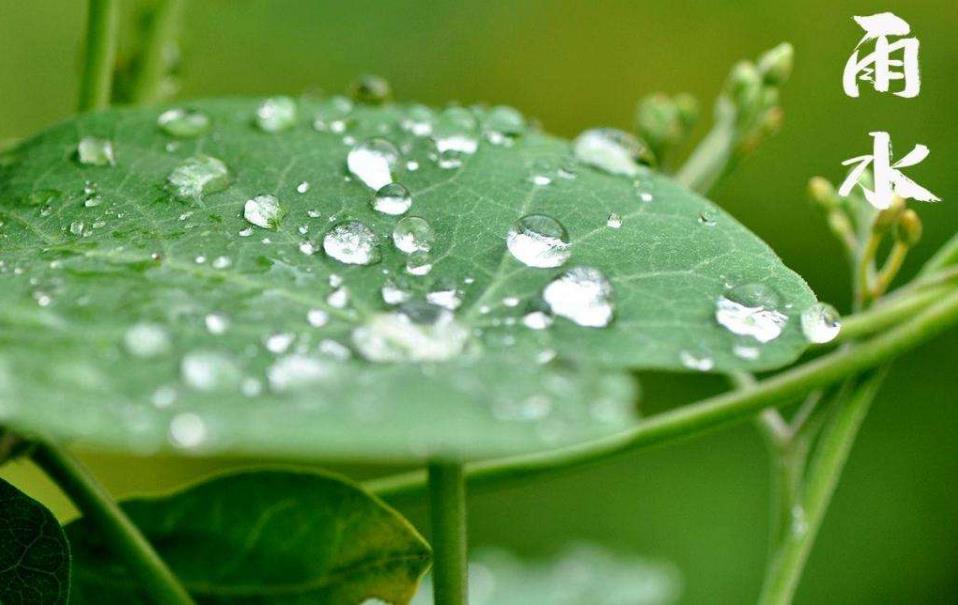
{"points": [[611, 150], [538, 240], [419, 120], [445, 295], [373, 162], [332, 115], [502, 124], [317, 317], [183, 123], [413, 234], [583, 295], [751, 310], [187, 430], [145, 339], [293, 372], [455, 132], [371, 90], [199, 175], [419, 263], [423, 333], [699, 363], [209, 371], [352, 243], [392, 199], [614, 221], [394, 293], [821, 323], [276, 114], [264, 211], [92, 151]]}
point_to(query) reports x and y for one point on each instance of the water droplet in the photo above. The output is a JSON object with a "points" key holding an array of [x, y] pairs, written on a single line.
{"points": [[216, 323], [264, 211], [371, 90], [537, 320], [419, 263], [338, 298], [276, 114], [502, 124], [294, 372], [393, 293], [313, 213], [145, 339], [199, 175], [92, 151], [393, 199], [222, 262], [280, 342], [317, 317], [746, 352], [706, 219], [455, 131], [373, 162], [821, 323], [699, 363], [248, 231], [187, 430], [307, 248], [408, 335], [209, 371], [540, 180], [445, 295], [537, 240], [352, 243], [332, 115], [419, 120], [413, 234], [302, 187], [751, 310], [163, 397], [645, 196], [611, 150], [78, 228], [583, 295], [183, 123], [614, 222]]}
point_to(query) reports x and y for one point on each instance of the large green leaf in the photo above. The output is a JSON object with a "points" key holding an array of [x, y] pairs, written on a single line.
{"points": [[34, 555], [276, 537], [91, 252]]}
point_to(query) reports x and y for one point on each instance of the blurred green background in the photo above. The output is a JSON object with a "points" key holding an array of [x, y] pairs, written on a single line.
{"points": [[891, 535]]}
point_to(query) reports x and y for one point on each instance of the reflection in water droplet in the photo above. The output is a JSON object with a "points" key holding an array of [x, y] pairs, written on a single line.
{"points": [[746, 352], [611, 150], [276, 114], [264, 211], [614, 222], [199, 175], [413, 234], [183, 123], [221, 262], [455, 132], [398, 336], [338, 298], [352, 243], [419, 263], [537, 240], [373, 162], [146, 339], [502, 124], [187, 430], [393, 293], [445, 295], [751, 310], [583, 295], [540, 180], [821, 323], [92, 151], [392, 199], [700, 363], [419, 120]]}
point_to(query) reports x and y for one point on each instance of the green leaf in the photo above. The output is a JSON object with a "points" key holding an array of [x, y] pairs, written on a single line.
{"points": [[112, 285], [277, 537], [34, 555]]}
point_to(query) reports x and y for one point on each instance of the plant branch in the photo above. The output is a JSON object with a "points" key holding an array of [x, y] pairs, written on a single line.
{"points": [[97, 81], [705, 415], [117, 530], [447, 500], [152, 65]]}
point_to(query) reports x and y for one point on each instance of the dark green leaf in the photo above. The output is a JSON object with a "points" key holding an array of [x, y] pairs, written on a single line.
{"points": [[34, 555], [264, 537]]}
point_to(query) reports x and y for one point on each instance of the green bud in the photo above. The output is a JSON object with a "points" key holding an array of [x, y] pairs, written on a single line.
{"points": [[662, 122], [840, 225], [744, 85], [823, 193], [888, 218], [688, 109], [775, 65], [909, 228]]}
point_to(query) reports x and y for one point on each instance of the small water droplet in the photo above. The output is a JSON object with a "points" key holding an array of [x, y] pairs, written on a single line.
{"points": [[540, 180], [706, 219], [373, 162], [821, 323], [419, 263], [302, 187], [294, 372], [248, 231], [352, 243], [751, 310], [419, 120], [145, 339], [307, 248], [699, 363], [614, 221], [421, 333], [611, 150], [183, 123], [537, 320], [279, 342], [392, 199], [394, 293], [538, 240], [187, 430], [371, 90], [276, 114], [455, 132], [216, 323], [199, 175], [209, 371], [645, 196], [445, 295], [332, 115], [317, 317], [163, 397], [413, 234], [78, 228], [583, 295], [746, 352], [222, 262], [92, 151], [338, 298], [502, 124], [264, 211]]}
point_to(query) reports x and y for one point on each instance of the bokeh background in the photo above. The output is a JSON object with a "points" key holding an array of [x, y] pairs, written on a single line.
{"points": [[891, 535]]}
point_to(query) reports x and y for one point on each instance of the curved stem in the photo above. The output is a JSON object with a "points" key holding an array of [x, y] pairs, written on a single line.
{"points": [[116, 528], [707, 414], [711, 157], [447, 500], [152, 62], [97, 80], [890, 311], [787, 564]]}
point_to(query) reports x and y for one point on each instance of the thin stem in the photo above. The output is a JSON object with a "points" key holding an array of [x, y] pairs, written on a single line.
{"points": [[895, 260], [711, 157], [152, 62], [707, 414], [890, 311], [116, 528], [447, 499], [786, 566], [97, 81], [865, 270]]}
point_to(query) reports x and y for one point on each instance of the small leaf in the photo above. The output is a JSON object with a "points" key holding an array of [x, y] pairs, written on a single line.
{"points": [[277, 537], [34, 555], [198, 289]]}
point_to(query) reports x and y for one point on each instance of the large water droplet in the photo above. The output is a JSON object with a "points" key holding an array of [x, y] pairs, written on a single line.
{"points": [[408, 335], [413, 234], [419, 120], [199, 175], [583, 295], [183, 123], [332, 115], [821, 323], [276, 114], [751, 310], [92, 151], [264, 211], [455, 132], [352, 243], [502, 124], [373, 162], [393, 199], [537, 240], [611, 150], [145, 339]]}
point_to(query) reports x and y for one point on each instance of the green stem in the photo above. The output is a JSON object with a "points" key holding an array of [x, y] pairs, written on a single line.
{"points": [[707, 414], [711, 157], [152, 61], [447, 499], [890, 311], [946, 256], [786, 566], [97, 80], [115, 527]]}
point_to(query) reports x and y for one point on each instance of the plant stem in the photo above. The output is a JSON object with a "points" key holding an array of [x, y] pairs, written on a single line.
{"points": [[447, 499], [97, 81], [786, 566], [116, 528], [890, 311], [152, 62], [946, 256], [707, 414], [711, 157]]}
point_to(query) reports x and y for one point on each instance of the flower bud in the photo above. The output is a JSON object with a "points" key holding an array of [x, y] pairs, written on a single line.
{"points": [[823, 193], [909, 228], [775, 65]]}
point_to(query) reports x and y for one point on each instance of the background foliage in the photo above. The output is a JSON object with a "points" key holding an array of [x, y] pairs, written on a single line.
{"points": [[891, 534]]}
